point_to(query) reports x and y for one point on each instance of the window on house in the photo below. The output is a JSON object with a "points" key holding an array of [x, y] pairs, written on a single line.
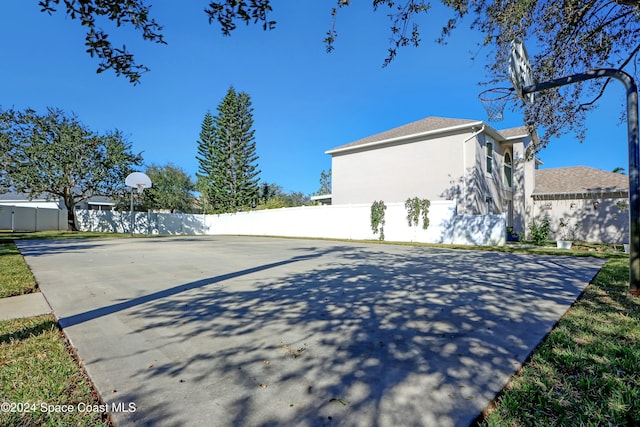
{"points": [[489, 156], [508, 170]]}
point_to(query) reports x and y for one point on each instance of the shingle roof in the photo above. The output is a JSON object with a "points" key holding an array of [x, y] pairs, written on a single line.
{"points": [[513, 132], [13, 197], [100, 200], [429, 124], [420, 126], [17, 197], [578, 180]]}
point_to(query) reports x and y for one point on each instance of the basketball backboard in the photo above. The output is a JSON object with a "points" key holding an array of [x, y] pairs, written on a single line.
{"points": [[138, 180], [520, 72]]}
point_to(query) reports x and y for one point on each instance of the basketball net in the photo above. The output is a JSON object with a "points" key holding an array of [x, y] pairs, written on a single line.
{"points": [[494, 100]]}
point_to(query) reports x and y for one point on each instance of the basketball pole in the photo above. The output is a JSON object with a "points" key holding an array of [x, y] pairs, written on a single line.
{"points": [[634, 156], [131, 217]]}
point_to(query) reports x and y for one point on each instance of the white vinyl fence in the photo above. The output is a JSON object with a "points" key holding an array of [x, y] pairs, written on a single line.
{"points": [[144, 222], [327, 221], [19, 218]]}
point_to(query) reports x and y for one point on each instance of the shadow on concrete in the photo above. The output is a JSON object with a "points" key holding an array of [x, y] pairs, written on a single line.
{"points": [[363, 337], [130, 303], [51, 247]]}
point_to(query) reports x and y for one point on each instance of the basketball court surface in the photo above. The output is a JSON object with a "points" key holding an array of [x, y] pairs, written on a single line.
{"points": [[244, 331]]}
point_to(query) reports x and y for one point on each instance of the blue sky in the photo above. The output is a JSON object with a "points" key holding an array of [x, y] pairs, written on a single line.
{"points": [[305, 100]]}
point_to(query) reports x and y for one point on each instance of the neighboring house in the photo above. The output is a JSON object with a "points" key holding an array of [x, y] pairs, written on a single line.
{"points": [[20, 213], [595, 200], [50, 201], [97, 203], [321, 199], [486, 171], [46, 201]]}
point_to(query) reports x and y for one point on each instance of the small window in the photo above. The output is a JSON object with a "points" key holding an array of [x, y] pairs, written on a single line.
{"points": [[508, 170], [489, 157]]}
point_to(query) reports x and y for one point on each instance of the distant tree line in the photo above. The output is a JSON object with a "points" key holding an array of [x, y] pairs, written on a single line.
{"points": [[272, 196], [55, 154]]}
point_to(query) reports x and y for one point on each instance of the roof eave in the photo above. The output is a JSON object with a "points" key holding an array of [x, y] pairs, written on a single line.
{"points": [[321, 197], [404, 137], [614, 193]]}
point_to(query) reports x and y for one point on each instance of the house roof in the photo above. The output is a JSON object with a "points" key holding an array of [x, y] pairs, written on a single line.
{"points": [[101, 200], [518, 132], [12, 196], [578, 180], [424, 127], [24, 197]]}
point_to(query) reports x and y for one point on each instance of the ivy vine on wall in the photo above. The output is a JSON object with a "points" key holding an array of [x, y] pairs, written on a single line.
{"points": [[377, 218], [416, 206]]}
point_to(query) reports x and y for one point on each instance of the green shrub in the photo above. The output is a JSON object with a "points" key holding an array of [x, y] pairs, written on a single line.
{"points": [[540, 231]]}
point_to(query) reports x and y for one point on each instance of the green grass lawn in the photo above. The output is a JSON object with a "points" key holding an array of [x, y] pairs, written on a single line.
{"points": [[586, 372], [37, 365], [9, 237], [36, 369], [16, 278]]}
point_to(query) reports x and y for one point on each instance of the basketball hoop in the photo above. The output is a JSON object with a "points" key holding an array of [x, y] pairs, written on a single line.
{"points": [[139, 181], [524, 85], [521, 76], [494, 100]]}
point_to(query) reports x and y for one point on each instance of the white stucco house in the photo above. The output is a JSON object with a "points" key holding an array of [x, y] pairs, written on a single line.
{"points": [[484, 170]]}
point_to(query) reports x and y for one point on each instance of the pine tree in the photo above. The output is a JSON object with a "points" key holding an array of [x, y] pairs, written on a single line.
{"points": [[206, 159], [247, 180], [228, 172]]}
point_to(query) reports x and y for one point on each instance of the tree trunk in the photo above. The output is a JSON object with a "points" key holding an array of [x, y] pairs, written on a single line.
{"points": [[71, 212], [71, 220]]}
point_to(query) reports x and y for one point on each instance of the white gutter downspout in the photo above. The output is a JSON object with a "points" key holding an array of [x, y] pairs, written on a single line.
{"points": [[464, 167]]}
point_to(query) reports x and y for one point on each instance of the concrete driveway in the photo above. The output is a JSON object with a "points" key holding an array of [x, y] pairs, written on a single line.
{"points": [[242, 331]]}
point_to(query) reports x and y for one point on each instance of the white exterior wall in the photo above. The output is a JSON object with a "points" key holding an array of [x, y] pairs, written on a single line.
{"points": [[444, 167], [328, 221], [394, 173], [495, 184], [607, 223], [523, 185]]}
